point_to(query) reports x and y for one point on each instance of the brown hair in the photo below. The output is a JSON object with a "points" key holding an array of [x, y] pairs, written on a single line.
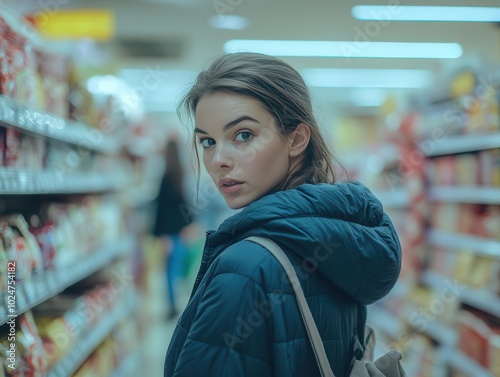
{"points": [[282, 91]]}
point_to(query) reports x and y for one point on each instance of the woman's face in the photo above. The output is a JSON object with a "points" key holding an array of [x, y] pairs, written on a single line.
{"points": [[242, 150]]}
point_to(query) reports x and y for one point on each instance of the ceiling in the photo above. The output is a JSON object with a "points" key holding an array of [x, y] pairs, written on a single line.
{"points": [[179, 31]]}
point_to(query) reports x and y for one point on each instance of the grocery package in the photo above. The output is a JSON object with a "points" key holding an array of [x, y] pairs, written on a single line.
{"points": [[25, 241], [468, 169], [46, 241], [54, 73], [479, 335], [30, 359], [17, 66], [476, 220]]}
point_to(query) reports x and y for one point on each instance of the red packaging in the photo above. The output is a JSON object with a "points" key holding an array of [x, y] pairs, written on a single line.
{"points": [[486, 167], [473, 337], [54, 71], [12, 147], [446, 170], [45, 238], [2, 145], [34, 361], [17, 66]]}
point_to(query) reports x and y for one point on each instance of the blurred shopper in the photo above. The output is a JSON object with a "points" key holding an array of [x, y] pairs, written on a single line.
{"points": [[263, 149], [172, 219]]}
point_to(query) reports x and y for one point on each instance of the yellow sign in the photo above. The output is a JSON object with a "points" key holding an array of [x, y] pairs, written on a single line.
{"points": [[98, 24]]}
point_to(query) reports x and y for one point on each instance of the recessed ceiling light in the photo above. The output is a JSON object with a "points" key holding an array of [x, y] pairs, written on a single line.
{"points": [[230, 22], [347, 49], [386, 13]]}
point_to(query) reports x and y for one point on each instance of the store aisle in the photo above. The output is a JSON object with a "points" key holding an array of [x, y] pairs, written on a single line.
{"points": [[157, 330]]}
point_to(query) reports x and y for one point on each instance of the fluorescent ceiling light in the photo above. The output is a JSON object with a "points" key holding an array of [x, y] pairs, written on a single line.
{"points": [[230, 22], [367, 78], [386, 13], [347, 49]]}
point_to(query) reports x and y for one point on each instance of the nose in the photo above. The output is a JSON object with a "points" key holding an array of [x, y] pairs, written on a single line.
{"points": [[222, 158]]}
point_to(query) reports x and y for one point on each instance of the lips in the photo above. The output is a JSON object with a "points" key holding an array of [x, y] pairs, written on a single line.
{"points": [[229, 185]]}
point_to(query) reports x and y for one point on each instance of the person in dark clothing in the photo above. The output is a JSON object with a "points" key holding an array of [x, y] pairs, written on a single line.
{"points": [[172, 218], [263, 149]]}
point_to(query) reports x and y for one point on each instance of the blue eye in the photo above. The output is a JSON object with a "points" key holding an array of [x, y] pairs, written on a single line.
{"points": [[244, 136], [207, 143]]}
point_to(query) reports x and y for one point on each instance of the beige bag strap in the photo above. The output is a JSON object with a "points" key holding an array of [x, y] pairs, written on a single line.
{"points": [[312, 330]]}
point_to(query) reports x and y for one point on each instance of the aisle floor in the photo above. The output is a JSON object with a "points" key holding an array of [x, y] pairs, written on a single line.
{"points": [[158, 330]]}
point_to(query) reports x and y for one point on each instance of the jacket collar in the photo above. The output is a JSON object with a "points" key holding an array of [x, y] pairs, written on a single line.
{"points": [[300, 219]]}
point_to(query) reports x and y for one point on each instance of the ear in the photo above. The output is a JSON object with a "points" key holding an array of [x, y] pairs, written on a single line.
{"points": [[299, 139]]}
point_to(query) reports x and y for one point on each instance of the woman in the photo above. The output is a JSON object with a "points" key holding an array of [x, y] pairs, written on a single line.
{"points": [[263, 149], [172, 218]]}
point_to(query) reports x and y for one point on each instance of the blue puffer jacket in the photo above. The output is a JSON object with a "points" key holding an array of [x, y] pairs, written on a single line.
{"points": [[243, 319]]}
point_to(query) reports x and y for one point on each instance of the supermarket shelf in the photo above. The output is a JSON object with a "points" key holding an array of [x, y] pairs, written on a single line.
{"points": [[464, 194], [16, 182], [16, 115], [399, 198], [477, 298], [92, 339], [401, 289], [129, 366], [24, 28], [383, 320], [480, 246], [47, 284], [437, 330], [459, 361], [464, 143]]}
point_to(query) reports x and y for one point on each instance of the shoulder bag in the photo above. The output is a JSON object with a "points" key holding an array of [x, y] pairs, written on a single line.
{"points": [[388, 365]]}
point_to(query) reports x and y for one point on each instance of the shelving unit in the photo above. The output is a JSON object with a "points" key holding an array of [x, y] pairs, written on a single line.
{"points": [[453, 241], [129, 366], [475, 195], [463, 143], [395, 199], [478, 298], [47, 284], [459, 361], [55, 136], [448, 176], [38, 123], [17, 182], [383, 320], [92, 339]]}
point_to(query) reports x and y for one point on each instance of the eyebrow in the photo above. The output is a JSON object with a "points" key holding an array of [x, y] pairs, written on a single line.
{"points": [[229, 125]]}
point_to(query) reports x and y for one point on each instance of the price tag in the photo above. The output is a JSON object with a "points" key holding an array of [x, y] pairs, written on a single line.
{"points": [[8, 114]]}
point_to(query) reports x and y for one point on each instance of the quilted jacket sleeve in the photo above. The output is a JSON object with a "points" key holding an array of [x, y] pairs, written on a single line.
{"points": [[228, 333]]}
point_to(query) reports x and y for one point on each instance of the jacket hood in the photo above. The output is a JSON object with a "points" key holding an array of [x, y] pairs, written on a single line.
{"points": [[340, 229]]}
